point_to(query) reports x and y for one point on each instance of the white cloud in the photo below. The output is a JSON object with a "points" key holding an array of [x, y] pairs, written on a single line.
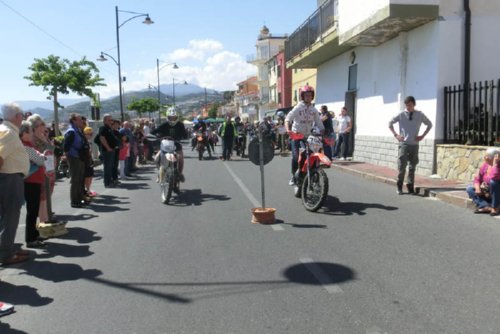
{"points": [[203, 62]]}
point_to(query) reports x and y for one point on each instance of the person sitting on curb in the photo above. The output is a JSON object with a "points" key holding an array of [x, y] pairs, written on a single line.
{"points": [[485, 190]]}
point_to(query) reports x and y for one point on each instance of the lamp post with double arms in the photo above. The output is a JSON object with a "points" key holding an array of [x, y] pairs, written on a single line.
{"points": [[147, 21], [174, 66]]}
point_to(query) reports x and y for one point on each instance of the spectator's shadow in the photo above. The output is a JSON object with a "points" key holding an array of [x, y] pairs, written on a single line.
{"points": [[190, 197], [22, 295], [108, 203], [81, 235], [333, 206], [6, 329], [65, 250], [59, 272], [130, 185]]}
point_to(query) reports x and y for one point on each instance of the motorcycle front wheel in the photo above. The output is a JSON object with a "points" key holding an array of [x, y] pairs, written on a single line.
{"points": [[167, 184], [315, 192]]}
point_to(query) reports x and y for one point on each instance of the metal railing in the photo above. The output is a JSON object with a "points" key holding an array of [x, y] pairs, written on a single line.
{"points": [[479, 123], [312, 29]]}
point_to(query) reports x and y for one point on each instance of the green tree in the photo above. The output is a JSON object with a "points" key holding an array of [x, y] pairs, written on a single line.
{"points": [[144, 105], [212, 112], [60, 76]]}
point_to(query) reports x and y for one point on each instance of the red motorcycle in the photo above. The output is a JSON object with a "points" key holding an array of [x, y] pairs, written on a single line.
{"points": [[311, 180]]}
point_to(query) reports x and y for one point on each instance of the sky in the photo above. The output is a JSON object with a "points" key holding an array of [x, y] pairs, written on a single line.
{"points": [[210, 40]]}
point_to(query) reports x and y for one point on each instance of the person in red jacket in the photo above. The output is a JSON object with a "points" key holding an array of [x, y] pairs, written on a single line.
{"points": [[32, 186]]}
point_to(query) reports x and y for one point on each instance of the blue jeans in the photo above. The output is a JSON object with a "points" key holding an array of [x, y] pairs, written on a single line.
{"points": [[483, 202], [342, 138], [295, 145]]}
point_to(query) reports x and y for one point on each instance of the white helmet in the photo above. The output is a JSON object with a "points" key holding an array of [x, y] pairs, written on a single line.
{"points": [[172, 116], [316, 131]]}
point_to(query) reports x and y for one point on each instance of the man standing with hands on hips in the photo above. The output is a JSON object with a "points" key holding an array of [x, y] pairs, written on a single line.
{"points": [[408, 137]]}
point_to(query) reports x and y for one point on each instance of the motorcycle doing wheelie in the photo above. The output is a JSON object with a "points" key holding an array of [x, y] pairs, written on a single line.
{"points": [[168, 172], [311, 180]]}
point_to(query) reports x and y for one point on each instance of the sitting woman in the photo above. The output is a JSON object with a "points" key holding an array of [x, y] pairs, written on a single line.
{"points": [[485, 191]]}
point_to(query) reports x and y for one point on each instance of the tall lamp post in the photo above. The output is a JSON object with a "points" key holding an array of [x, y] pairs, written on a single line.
{"points": [[173, 90], [174, 66], [147, 21]]}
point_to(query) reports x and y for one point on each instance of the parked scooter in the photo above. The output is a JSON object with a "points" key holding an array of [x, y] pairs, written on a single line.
{"points": [[311, 180]]}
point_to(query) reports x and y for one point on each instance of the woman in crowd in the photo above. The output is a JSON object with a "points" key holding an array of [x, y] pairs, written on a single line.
{"points": [[485, 190], [32, 186]]}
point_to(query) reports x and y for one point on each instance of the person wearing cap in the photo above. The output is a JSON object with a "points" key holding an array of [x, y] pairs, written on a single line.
{"points": [[485, 190]]}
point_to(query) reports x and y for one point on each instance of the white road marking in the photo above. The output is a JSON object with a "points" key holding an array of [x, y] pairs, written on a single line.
{"points": [[247, 192], [320, 275], [277, 227]]}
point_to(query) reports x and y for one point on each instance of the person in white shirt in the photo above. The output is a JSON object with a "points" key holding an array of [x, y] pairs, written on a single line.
{"points": [[344, 129], [301, 119]]}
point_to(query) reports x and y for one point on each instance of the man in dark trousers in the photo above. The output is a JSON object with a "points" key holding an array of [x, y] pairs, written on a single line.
{"points": [[227, 132], [109, 143]]}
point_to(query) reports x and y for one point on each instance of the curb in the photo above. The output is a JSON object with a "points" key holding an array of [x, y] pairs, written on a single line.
{"points": [[452, 197]]}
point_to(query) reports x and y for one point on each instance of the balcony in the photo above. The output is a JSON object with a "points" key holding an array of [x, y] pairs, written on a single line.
{"points": [[321, 36]]}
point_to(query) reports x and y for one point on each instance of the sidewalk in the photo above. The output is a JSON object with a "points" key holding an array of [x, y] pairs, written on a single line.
{"points": [[450, 191]]}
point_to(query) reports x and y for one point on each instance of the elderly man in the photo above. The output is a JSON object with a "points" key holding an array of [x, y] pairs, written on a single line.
{"points": [[14, 166], [75, 147]]}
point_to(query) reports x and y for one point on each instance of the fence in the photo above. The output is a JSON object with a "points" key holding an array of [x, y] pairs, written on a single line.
{"points": [[309, 31], [479, 123]]}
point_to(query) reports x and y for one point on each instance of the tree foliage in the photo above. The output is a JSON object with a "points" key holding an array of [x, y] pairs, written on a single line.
{"points": [[62, 76], [212, 112], [145, 105]]}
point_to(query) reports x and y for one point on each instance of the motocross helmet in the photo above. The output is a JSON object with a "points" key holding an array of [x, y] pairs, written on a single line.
{"points": [[280, 114], [237, 119], [306, 89], [172, 116]]}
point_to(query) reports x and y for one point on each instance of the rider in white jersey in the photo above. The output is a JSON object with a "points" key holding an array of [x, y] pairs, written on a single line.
{"points": [[302, 119]]}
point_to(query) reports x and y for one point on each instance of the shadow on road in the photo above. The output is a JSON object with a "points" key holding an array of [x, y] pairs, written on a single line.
{"points": [[54, 249], [333, 206], [108, 203], [279, 221], [59, 272], [314, 273], [190, 197], [80, 235], [6, 329], [79, 217], [22, 295]]}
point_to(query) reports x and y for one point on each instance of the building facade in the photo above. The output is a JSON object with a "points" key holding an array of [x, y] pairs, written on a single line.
{"points": [[369, 55]]}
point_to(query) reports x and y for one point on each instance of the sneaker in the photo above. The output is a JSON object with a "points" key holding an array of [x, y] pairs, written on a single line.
{"points": [[411, 188], [181, 178], [342, 159], [292, 181], [6, 308], [399, 188]]}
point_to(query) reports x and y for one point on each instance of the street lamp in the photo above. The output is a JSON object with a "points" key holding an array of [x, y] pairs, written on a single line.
{"points": [[174, 66], [147, 21], [173, 90]]}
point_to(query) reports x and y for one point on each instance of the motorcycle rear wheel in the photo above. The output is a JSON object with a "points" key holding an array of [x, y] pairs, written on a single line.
{"points": [[314, 194]]}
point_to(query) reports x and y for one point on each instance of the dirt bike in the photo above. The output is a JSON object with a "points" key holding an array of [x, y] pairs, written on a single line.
{"points": [[241, 143], [311, 181], [168, 173], [201, 143]]}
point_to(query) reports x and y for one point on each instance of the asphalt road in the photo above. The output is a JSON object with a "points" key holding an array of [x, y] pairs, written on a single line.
{"points": [[370, 261]]}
